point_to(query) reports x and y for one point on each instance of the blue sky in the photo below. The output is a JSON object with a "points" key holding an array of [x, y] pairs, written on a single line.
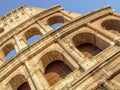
{"points": [[80, 6]]}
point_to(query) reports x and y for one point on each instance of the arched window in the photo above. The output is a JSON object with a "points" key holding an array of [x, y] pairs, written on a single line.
{"points": [[19, 83], [89, 44], [32, 35], [112, 26], [33, 38], [56, 71], [10, 54], [9, 51], [56, 21], [55, 68]]}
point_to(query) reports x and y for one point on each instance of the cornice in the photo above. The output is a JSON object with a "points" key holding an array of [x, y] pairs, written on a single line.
{"points": [[14, 10]]}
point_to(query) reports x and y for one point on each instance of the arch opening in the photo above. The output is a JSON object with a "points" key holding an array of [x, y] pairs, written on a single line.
{"points": [[89, 44], [24, 86], [19, 82], [32, 35], [54, 67], [56, 71], [88, 49], [10, 54], [56, 21], [33, 39], [9, 51], [112, 26], [56, 25]]}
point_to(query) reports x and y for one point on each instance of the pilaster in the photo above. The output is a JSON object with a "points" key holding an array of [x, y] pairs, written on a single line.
{"points": [[38, 80], [70, 51], [18, 44], [43, 27], [42, 31], [23, 42], [16, 47]]}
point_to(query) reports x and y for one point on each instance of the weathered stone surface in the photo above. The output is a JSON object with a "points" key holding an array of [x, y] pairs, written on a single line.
{"points": [[83, 53]]}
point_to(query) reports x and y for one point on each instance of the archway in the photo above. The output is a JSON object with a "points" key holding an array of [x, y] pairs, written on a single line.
{"points": [[32, 35], [8, 51], [112, 26], [19, 82], [56, 71], [89, 44], [88, 49], [56, 21], [54, 67]]}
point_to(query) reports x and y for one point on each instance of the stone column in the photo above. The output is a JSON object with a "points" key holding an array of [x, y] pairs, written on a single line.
{"points": [[39, 76], [23, 42], [71, 52], [18, 44], [49, 28], [44, 28], [32, 87], [30, 79], [36, 77], [16, 47], [42, 31]]}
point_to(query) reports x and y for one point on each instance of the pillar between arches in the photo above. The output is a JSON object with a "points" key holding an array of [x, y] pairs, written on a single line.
{"points": [[18, 44], [71, 52], [43, 27], [37, 79]]}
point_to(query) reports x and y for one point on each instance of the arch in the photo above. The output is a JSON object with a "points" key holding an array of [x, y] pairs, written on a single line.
{"points": [[111, 25], [52, 56], [52, 63], [8, 51], [19, 82], [32, 35], [56, 21], [56, 71], [89, 44]]}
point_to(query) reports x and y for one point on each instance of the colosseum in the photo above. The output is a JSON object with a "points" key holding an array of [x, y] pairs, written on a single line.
{"points": [[80, 53]]}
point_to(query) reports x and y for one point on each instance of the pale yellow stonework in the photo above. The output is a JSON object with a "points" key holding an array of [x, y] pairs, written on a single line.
{"points": [[83, 53]]}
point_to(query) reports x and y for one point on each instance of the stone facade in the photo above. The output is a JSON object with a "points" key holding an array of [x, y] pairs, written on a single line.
{"points": [[82, 53]]}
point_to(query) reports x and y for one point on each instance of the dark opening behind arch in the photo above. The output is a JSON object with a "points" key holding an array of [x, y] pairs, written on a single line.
{"points": [[56, 21], [32, 35], [56, 71]]}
